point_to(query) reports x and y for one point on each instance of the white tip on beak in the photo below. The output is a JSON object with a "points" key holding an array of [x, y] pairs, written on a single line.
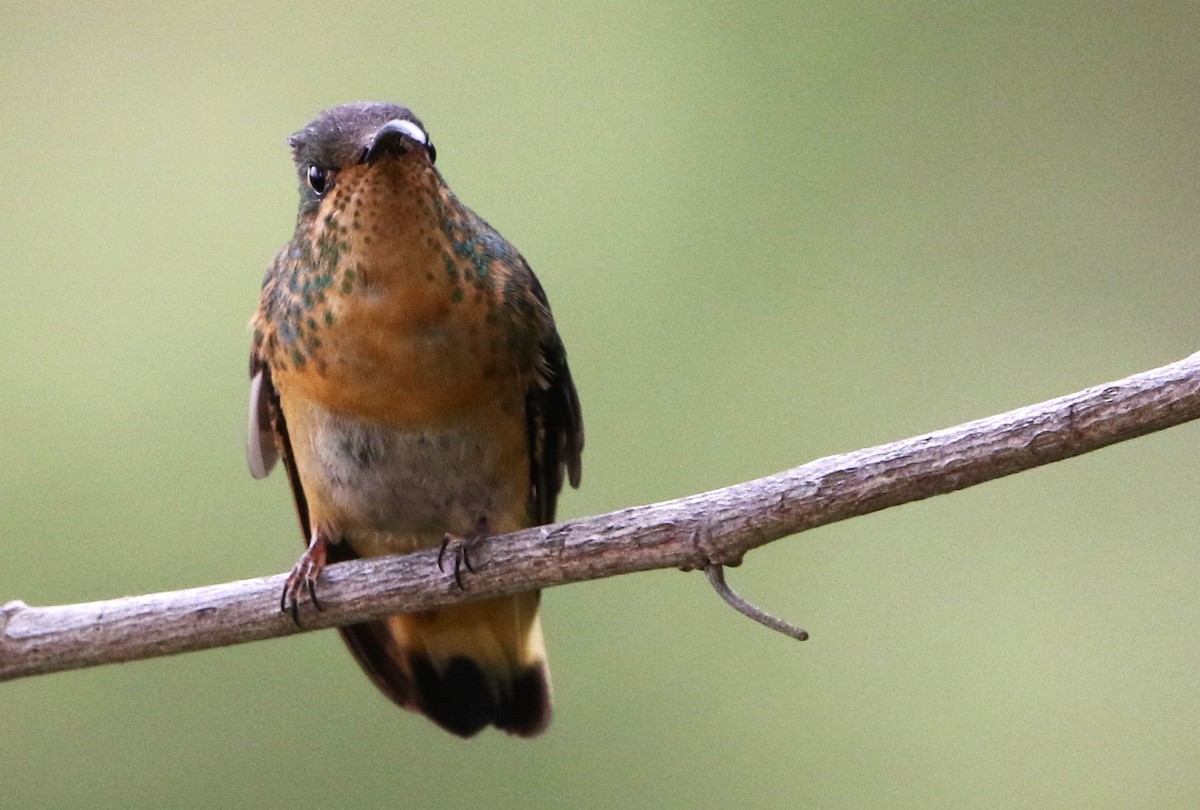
{"points": [[410, 129]]}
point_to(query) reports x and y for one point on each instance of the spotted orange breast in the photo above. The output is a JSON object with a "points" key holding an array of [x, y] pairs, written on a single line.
{"points": [[412, 329]]}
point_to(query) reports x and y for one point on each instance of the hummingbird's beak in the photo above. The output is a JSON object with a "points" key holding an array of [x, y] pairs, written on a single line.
{"points": [[394, 138]]}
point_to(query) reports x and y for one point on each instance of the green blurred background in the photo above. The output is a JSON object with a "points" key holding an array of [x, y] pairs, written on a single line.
{"points": [[770, 232]]}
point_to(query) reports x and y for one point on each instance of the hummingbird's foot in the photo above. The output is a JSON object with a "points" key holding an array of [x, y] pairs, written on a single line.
{"points": [[462, 549], [304, 576]]}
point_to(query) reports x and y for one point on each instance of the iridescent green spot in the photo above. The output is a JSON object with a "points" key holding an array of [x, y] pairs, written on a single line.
{"points": [[456, 295], [329, 318]]}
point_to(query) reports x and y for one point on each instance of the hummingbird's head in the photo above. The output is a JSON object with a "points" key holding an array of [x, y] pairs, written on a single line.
{"points": [[350, 142]]}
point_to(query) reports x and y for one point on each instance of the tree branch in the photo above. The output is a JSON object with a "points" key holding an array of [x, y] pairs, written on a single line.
{"points": [[715, 527]]}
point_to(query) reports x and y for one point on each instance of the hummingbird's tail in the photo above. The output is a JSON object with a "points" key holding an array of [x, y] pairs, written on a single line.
{"points": [[465, 667]]}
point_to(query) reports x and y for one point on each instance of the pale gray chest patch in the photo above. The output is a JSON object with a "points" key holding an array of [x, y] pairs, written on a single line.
{"points": [[407, 481]]}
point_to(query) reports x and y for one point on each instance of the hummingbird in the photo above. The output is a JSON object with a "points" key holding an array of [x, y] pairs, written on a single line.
{"points": [[407, 371]]}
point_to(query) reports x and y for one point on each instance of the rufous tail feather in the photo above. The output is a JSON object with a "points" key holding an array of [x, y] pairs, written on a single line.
{"points": [[465, 667]]}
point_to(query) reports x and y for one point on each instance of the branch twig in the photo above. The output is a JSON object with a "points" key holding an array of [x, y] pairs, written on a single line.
{"points": [[716, 578], [712, 528]]}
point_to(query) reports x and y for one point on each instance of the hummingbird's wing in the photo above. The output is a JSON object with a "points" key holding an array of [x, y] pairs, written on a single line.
{"points": [[267, 438], [262, 446], [552, 414], [555, 430]]}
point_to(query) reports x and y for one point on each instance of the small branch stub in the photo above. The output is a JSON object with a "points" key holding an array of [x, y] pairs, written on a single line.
{"points": [[716, 578]]}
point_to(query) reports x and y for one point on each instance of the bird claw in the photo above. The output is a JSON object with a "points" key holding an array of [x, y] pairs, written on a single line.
{"points": [[304, 577], [462, 549]]}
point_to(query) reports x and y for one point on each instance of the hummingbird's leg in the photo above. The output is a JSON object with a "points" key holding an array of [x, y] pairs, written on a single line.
{"points": [[304, 575], [462, 548]]}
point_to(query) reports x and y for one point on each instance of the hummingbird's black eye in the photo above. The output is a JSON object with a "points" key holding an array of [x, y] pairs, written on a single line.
{"points": [[318, 180]]}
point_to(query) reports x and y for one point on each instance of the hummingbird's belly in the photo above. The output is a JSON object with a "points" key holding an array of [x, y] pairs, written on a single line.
{"points": [[386, 489]]}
